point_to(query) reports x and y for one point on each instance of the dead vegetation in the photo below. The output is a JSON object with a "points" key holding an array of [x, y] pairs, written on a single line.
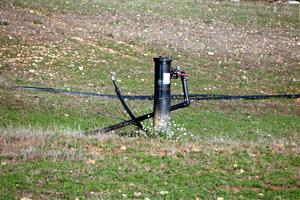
{"points": [[24, 144]]}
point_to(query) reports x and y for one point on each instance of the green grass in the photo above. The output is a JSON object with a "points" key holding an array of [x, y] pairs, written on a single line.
{"points": [[206, 170], [59, 66], [234, 119], [228, 149]]}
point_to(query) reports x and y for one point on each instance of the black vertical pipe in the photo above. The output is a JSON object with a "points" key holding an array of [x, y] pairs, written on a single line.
{"points": [[162, 93]]}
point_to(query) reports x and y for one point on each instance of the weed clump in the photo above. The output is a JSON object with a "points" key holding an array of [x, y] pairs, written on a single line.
{"points": [[4, 22], [175, 131], [4, 84]]}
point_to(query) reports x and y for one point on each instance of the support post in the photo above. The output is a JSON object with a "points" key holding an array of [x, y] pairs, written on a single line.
{"points": [[162, 93]]}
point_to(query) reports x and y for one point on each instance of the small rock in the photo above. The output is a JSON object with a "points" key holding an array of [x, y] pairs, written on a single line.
{"points": [[293, 2], [195, 149], [3, 163], [245, 78], [77, 39], [163, 192], [123, 148], [241, 171], [137, 194], [211, 53], [80, 68], [91, 162]]}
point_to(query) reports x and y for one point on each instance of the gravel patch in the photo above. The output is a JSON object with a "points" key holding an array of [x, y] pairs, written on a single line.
{"points": [[249, 46]]}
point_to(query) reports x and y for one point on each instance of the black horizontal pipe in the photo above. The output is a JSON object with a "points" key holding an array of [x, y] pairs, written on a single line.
{"points": [[194, 97]]}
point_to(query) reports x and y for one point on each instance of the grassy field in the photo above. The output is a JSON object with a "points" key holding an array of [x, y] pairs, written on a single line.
{"points": [[219, 150]]}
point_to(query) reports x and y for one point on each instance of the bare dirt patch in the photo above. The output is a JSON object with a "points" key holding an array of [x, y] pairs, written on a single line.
{"points": [[250, 46]]}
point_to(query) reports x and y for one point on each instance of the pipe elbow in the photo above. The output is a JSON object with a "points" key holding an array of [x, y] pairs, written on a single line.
{"points": [[188, 103]]}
